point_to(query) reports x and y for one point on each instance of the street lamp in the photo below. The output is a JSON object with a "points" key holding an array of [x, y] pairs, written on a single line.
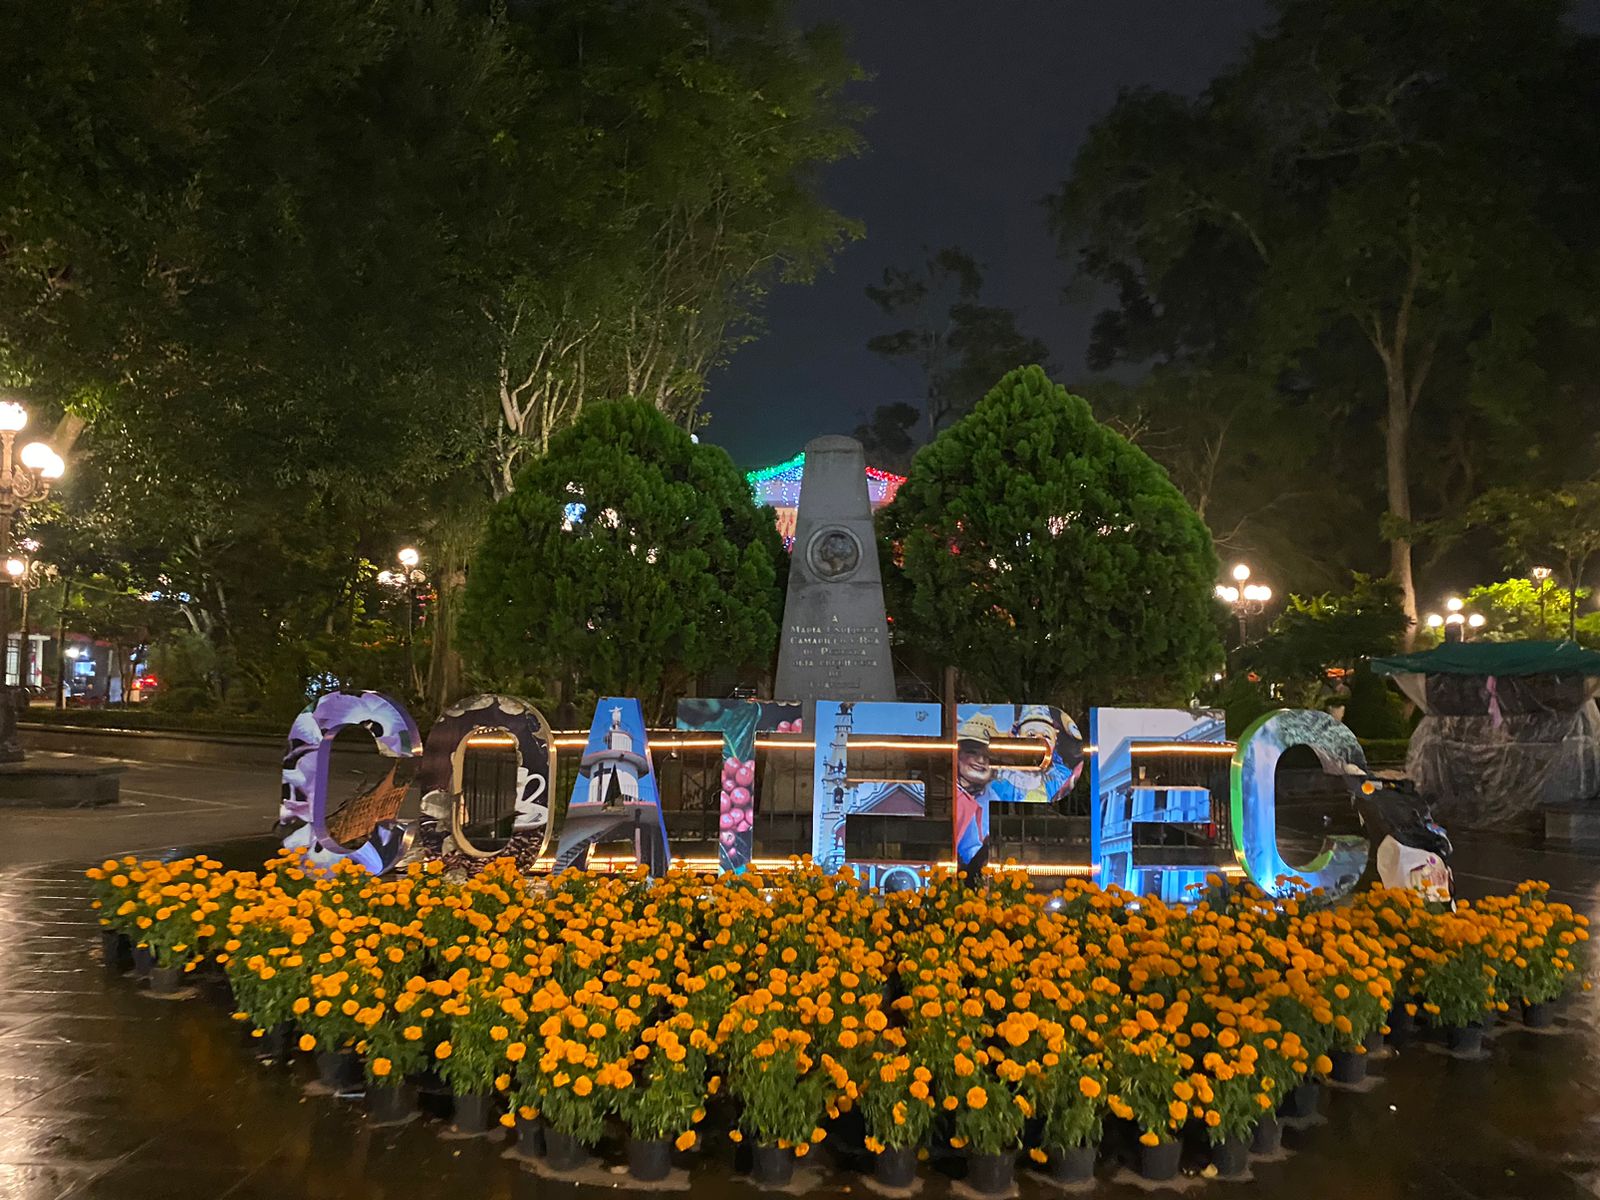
{"points": [[1541, 576], [26, 572], [1455, 621], [25, 478], [1244, 598], [406, 580]]}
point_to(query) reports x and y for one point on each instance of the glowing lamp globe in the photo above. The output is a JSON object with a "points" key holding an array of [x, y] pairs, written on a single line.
{"points": [[409, 557], [1241, 572], [36, 456], [1455, 604], [13, 417], [1476, 620], [55, 468], [15, 567], [1435, 620], [385, 577]]}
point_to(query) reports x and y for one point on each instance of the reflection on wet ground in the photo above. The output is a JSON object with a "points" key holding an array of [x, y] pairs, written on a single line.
{"points": [[106, 1092]]}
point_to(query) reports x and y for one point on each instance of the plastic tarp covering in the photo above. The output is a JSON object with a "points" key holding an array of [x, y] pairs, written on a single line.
{"points": [[1493, 751]]}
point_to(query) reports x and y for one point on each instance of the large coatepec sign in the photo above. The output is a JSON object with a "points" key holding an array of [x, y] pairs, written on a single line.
{"points": [[1170, 797]]}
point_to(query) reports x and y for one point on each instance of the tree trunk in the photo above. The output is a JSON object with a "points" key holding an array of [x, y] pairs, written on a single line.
{"points": [[444, 660], [1397, 446]]}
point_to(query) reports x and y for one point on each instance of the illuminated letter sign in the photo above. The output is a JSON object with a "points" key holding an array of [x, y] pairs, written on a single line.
{"points": [[615, 797], [979, 783], [837, 794], [1341, 861], [1157, 777], [738, 721], [363, 829], [444, 757]]}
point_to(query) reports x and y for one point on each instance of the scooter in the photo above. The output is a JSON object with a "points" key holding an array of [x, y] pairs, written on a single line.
{"points": [[1409, 849]]}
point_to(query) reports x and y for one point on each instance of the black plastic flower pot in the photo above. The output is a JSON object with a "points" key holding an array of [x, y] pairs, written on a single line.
{"points": [[390, 1103], [1159, 1163], [530, 1137], [649, 1159], [473, 1113], [991, 1174], [1349, 1066], [771, 1166], [1268, 1137], [1301, 1102], [275, 1043], [1071, 1164], [895, 1167], [340, 1071], [1402, 1025], [143, 961], [1538, 1015], [1231, 1156], [562, 1151], [1464, 1039], [166, 981], [116, 951]]}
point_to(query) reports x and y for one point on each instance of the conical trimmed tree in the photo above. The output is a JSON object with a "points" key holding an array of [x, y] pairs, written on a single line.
{"points": [[1049, 558]]}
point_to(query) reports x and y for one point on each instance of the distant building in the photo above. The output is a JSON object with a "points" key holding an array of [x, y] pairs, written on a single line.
{"points": [[779, 486]]}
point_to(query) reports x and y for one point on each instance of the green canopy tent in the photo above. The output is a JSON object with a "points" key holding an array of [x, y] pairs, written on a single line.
{"points": [[1509, 729]]}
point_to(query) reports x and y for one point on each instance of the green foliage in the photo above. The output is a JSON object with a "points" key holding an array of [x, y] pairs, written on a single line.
{"points": [[958, 345], [1555, 527], [1048, 558], [322, 277], [1374, 709], [1335, 629], [671, 569], [1368, 222], [1518, 609]]}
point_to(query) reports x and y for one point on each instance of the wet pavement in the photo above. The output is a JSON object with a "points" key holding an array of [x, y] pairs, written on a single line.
{"points": [[106, 1092]]}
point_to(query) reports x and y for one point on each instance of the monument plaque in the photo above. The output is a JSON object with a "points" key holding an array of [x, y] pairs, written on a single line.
{"points": [[835, 641]]}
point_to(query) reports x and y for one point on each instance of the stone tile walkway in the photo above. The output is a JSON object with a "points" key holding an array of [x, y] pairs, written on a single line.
{"points": [[105, 1092]]}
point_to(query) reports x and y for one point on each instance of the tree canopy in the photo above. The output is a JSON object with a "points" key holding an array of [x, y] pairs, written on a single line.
{"points": [[1375, 218], [626, 561], [1048, 558], [321, 278]]}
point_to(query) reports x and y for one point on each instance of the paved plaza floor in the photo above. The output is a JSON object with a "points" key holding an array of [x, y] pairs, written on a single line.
{"points": [[107, 1092]]}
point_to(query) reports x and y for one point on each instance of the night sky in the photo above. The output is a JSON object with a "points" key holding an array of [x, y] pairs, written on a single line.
{"points": [[978, 109]]}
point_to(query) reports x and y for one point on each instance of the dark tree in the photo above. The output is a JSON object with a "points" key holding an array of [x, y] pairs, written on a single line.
{"points": [[958, 345], [1049, 559]]}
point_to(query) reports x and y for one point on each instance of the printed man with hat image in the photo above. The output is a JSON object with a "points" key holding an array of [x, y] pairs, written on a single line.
{"points": [[980, 783]]}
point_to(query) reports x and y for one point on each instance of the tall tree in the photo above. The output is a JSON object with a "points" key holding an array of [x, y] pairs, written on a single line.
{"points": [[680, 142], [1557, 527], [629, 558], [1048, 558], [1393, 181], [958, 345]]}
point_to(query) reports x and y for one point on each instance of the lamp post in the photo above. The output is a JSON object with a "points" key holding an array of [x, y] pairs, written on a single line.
{"points": [[1455, 623], [25, 572], [1541, 576], [25, 478], [406, 580], [1245, 598]]}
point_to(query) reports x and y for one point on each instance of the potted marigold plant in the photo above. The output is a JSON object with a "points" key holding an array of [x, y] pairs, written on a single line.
{"points": [[896, 1103], [1150, 1091], [661, 1093], [113, 893], [1456, 984], [470, 1057], [1070, 1096], [988, 1123], [570, 1077], [783, 1090]]}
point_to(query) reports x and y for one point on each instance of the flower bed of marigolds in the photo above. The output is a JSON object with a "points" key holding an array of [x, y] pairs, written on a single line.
{"points": [[989, 1022]]}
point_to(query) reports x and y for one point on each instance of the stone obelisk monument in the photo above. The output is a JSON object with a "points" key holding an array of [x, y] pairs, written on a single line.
{"points": [[835, 640]]}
